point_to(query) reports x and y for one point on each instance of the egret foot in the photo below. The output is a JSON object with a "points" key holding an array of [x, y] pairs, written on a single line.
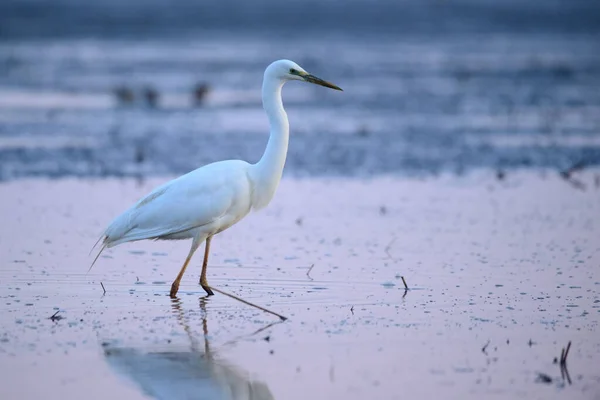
{"points": [[174, 289], [204, 284], [208, 290]]}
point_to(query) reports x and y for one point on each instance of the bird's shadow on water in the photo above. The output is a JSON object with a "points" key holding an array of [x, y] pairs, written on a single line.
{"points": [[194, 372]]}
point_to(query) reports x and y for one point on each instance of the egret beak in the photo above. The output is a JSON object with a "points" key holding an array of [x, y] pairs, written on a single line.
{"points": [[318, 81]]}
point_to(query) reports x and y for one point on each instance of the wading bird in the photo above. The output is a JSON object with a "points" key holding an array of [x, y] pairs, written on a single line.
{"points": [[200, 92], [210, 199]]}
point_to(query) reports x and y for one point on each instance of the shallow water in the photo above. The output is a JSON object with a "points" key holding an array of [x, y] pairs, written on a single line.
{"points": [[502, 275]]}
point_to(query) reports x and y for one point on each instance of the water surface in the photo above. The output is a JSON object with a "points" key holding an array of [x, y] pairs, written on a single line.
{"points": [[503, 274]]}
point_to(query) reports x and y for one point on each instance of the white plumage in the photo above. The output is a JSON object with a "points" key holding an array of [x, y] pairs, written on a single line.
{"points": [[210, 199], [206, 200]]}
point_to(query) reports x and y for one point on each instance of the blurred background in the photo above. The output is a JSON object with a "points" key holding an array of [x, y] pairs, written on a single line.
{"points": [[155, 87]]}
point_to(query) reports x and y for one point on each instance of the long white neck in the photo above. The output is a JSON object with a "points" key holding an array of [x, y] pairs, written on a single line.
{"points": [[266, 173]]}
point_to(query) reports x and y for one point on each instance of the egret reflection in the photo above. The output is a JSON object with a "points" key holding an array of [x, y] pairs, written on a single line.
{"points": [[191, 373]]}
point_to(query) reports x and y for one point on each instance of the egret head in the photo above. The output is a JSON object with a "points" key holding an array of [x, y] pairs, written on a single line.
{"points": [[286, 70]]}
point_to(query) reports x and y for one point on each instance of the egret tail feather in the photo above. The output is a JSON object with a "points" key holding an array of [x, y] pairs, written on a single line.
{"points": [[96, 244], [104, 244]]}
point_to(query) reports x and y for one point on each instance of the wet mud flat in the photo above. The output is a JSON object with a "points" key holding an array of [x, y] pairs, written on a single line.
{"points": [[414, 104], [503, 274]]}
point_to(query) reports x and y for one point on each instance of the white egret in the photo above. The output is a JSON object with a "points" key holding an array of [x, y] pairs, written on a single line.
{"points": [[210, 199]]}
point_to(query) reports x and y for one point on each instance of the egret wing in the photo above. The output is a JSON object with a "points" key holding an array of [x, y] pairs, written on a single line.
{"points": [[193, 200]]}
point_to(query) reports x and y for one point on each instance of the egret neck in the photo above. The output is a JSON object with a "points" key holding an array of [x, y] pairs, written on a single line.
{"points": [[266, 173]]}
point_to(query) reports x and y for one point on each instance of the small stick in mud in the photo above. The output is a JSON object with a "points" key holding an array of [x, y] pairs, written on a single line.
{"points": [[567, 175], [248, 303], [55, 317], [564, 372], [101, 284], [578, 166], [564, 354], [308, 272], [484, 348], [404, 281]]}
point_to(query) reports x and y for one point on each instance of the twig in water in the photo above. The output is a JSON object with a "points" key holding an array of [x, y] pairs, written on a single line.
{"points": [[352, 310], [248, 303], [55, 317], [101, 284], [567, 175], [564, 354], [577, 184], [564, 372], [404, 281], [567, 351], [308, 272], [578, 166], [484, 348]]}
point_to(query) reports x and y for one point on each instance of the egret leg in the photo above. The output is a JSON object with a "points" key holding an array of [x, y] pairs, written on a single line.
{"points": [[175, 286], [203, 280]]}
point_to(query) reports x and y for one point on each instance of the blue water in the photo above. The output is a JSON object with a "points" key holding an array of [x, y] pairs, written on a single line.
{"points": [[430, 86]]}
